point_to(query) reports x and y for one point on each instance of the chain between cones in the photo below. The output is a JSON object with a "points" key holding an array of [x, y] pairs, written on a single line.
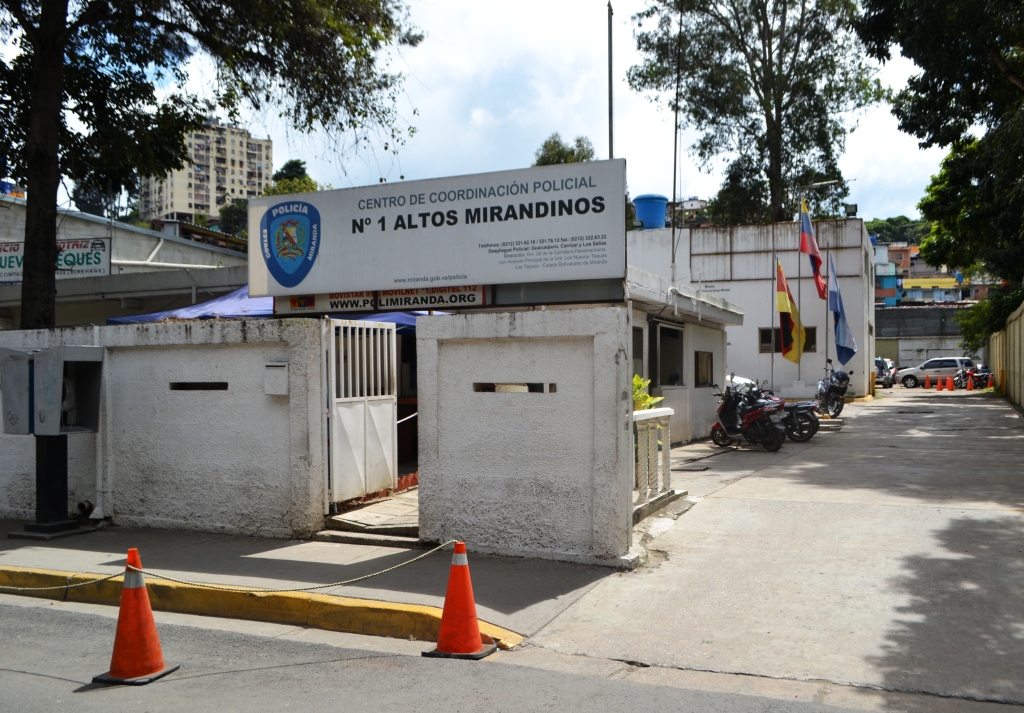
{"points": [[233, 588]]}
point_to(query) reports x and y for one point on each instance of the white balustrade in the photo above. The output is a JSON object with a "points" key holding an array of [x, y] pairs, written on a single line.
{"points": [[652, 425]]}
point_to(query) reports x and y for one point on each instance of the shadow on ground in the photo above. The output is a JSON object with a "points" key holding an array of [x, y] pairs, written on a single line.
{"points": [[504, 584], [963, 628]]}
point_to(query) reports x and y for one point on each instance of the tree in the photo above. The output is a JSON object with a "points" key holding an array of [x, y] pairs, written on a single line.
{"points": [[743, 197], [554, 151], [79, 95], [234, 217], [971, 57], [899, 229], [766, 81], [294, 168], [282, 187], [90, 200]]}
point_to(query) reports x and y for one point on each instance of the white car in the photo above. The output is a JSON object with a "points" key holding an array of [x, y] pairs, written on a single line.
{"points": [[935, 368]]}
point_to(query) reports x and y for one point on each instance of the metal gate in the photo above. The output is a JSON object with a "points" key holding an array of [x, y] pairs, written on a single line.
{"points": [[363, 434]]}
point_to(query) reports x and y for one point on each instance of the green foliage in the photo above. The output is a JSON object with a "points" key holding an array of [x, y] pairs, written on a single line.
{"points": [[743, 197], [89, 200], [771, 88], [900, 229], [642, 399], [554, 151], [969, 54], [976, 203], [234, 217], [978, 322], [96, 91], [971, 61], [305, 184], [294, 168]]}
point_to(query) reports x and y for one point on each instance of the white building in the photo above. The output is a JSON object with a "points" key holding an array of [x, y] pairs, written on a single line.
{"points": [[736, 263], [227, 164]]}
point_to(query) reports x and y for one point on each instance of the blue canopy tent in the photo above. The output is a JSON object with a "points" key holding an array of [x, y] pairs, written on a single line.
{"points": [[238, 304]]}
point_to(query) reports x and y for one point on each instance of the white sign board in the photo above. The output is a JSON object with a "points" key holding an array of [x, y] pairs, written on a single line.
{"points": [[426, 298], [85, 257], [564, 222]]}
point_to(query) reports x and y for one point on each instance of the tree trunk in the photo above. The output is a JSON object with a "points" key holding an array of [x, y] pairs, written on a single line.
{"points": [[775, 184], [38, 287]]}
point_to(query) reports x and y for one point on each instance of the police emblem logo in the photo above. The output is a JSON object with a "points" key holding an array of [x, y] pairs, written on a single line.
{"points": [[290, 241]]}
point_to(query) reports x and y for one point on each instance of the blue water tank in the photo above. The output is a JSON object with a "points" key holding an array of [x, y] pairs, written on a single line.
{"points": [[650, 209]]}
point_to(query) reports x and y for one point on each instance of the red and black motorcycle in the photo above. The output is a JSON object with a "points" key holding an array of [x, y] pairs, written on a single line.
{"points": [[758, 422]]}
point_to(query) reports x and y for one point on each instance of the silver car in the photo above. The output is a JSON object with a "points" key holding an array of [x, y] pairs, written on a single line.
{"points": [[935, 368]]}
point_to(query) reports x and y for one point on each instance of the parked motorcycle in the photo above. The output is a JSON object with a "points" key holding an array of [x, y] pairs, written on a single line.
{"points": [[831, 390], [756, 421], [977, 376], [801, 419]]}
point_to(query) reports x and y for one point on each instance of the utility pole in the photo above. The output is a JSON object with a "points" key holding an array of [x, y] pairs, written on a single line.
{"points": [[675, 147], [611, 127]]}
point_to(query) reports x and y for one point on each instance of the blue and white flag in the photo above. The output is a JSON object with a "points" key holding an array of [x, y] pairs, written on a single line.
{"points": [[846, 346]]}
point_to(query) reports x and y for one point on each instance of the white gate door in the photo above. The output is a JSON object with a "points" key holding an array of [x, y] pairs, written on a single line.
{"points": [[364, 408]]}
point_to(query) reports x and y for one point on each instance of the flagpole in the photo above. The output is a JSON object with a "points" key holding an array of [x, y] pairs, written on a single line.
{"points": [[828, 256], [774, 288], [799, 278]]}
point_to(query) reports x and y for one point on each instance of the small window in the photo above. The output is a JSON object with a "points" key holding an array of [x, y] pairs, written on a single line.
{"points": [[765, 340], [703, 369]]}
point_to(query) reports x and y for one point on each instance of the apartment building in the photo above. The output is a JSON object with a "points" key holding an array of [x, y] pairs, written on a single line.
{"points": [[227, 164]]}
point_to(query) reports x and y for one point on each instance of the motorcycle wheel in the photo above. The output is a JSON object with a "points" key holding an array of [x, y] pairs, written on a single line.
{"points": [[835, 406], [772, 439], [801, 428], [720, 438]]}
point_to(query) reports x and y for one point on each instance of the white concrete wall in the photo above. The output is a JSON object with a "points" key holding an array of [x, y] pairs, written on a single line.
{"points": [[702, 402], [235, 461], [529, 474], [735, 263]]}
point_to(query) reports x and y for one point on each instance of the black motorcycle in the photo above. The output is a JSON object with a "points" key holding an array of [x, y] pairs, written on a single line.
{"points": [[831, 390], [801, 419]]}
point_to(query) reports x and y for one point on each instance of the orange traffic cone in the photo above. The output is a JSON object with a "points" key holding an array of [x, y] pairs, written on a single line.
{"points": [[949, 383], [970, 383], [928, 381], [938, 384], [991, 382], [459, 637], [137, 659]]}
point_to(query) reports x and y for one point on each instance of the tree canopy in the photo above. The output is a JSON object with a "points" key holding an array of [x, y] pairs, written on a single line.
{"points": [[554, 151], [95, 90], [234, 217], [767, 83], [899, 229], [293, 168]]}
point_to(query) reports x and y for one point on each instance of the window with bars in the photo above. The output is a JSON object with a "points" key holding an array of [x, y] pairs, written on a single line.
{"points": [[765, 342]]}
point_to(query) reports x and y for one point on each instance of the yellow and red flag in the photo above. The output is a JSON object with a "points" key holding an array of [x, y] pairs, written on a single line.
{"points": [[792, 331]]}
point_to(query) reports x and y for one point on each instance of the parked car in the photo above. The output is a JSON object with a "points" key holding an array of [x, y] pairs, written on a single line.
{"points": [[883, 375], [935, 368], [893, 369]]}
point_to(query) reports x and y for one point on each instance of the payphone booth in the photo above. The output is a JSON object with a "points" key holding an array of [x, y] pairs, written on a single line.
{"points": [[48, 394]]}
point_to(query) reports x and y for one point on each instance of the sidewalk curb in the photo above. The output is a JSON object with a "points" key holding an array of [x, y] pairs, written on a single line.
{"points": [[319, 611]]}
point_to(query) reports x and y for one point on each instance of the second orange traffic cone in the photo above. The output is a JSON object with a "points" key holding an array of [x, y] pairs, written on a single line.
{"points": [[459, 637], [928, 381], [970, 383], [949, 383], [137, 658], [938, 384], [991, 382]]}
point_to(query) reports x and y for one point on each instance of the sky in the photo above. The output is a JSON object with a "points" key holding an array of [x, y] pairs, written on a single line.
{"points": [[491, 81]]}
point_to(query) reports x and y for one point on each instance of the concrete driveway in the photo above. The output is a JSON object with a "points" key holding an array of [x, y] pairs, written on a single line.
{"points": [[887, 557]]}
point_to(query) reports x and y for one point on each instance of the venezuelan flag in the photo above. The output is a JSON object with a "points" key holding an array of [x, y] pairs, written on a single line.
{"points": [[793, 335], [809, 245]]}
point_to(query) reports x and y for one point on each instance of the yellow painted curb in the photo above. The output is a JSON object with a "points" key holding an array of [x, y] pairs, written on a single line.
{"points": [[320, 611]]}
